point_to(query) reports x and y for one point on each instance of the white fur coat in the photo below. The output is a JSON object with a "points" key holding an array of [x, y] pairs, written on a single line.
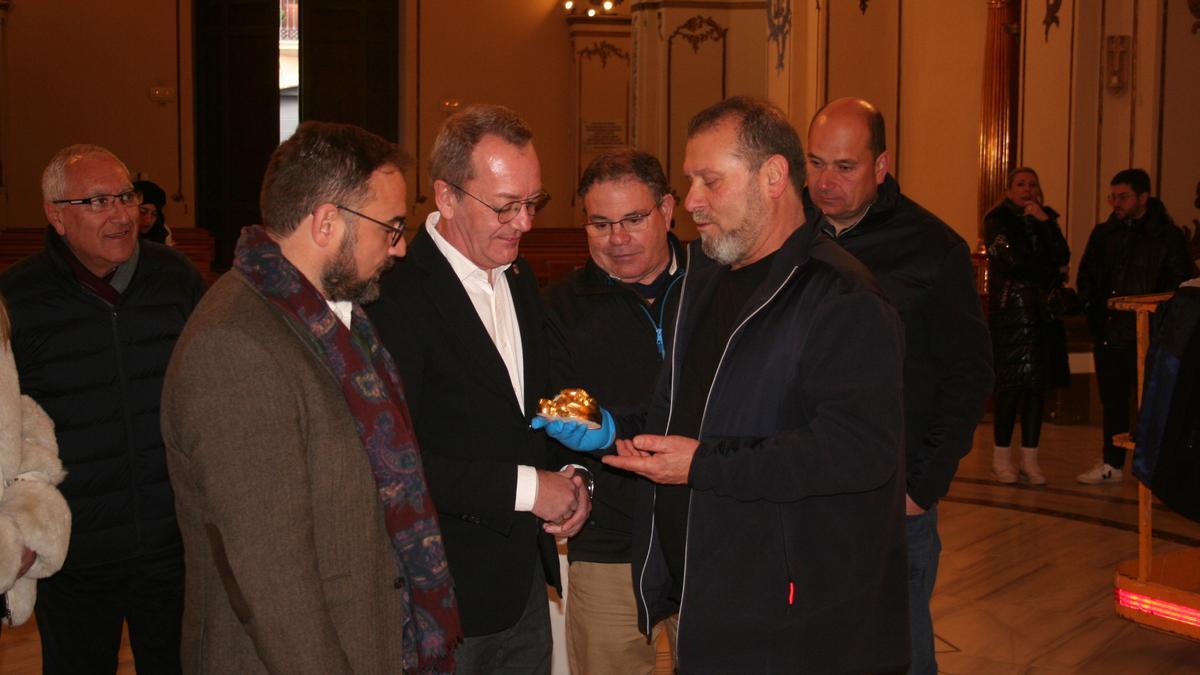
{"points": [[33, 514]]}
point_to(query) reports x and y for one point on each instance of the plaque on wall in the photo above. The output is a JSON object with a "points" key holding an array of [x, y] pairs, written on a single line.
{"points": [[603, 135]]}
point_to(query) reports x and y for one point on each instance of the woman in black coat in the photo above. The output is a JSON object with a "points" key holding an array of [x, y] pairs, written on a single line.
{"points": [[1026, 254]]}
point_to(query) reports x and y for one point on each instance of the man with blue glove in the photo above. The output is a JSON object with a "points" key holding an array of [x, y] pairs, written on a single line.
{"points": [[611, 316], [775, 527]]}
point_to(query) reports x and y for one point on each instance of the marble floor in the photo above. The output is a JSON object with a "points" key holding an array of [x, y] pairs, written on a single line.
{"points": [[1026, 577]]}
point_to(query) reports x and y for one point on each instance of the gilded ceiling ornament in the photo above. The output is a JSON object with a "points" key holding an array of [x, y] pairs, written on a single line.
{"points": [[603, 50], [699, 29], [779, 24]]}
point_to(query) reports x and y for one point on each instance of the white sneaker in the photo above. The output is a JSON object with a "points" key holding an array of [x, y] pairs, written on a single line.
{"points": [[1101, 473]]}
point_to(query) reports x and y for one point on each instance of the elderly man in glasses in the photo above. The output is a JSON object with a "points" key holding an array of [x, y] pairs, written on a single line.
{"points": [[462, 317], [611, 314], [95, 317]]}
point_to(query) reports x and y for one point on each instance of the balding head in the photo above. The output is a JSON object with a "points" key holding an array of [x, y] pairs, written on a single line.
{"points": [[851, 110], [847, 160]]}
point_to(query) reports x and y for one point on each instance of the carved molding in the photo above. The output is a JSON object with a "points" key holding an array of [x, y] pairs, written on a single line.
{"points": [[603, 50], [1194, 8], [862, 6], [779, 24], [698, 30], [1052, 9]]}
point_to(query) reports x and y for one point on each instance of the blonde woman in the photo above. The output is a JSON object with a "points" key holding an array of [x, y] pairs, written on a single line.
{"points": [[35, 522]]}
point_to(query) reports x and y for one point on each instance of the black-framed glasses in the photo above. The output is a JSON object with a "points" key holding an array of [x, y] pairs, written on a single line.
{"points": [[634, 222], [99, 203], [397, 230], [505, 214]]}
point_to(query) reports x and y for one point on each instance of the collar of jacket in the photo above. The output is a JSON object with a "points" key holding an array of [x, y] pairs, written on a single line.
{"points": [[885, 200], [57, 252], [795, 252], [595, 281]]}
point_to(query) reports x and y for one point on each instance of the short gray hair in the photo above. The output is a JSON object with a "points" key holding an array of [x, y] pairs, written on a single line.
{"points": [[54, 176], [450, 159]]}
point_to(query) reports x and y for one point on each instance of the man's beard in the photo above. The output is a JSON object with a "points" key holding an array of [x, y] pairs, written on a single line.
{"points": [[733, 245], [340, 277]]}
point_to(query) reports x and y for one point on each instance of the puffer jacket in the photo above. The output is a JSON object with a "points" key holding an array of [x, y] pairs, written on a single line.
{"points": [[1025, 257], [97, 370], [1130, 257]]}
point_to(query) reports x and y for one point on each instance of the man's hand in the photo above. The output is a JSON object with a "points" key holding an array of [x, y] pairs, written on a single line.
{"points": [[557, 495], [666, 460], [911, 508], [573, 523]]}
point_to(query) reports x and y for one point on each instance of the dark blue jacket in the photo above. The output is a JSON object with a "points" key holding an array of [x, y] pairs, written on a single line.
{"points": [[795, 557]]}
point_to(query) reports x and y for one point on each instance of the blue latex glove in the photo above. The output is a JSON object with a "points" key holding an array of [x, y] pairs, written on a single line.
{"points": [[577, 435]]}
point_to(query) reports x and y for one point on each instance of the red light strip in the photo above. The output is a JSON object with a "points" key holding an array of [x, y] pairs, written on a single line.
{"points": [[1160, 608]]}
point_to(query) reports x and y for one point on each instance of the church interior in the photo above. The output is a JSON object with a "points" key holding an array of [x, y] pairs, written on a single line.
{"points": [[196, 94]]}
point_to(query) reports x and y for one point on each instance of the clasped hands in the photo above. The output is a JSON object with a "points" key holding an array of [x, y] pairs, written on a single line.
{"points": [[562, 501]]}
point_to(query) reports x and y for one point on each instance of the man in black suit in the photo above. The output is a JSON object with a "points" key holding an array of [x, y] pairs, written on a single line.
{"points": [[462, 319]]}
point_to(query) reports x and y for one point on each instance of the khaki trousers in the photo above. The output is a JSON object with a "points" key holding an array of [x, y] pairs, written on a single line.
{"points": [[602, 630]]}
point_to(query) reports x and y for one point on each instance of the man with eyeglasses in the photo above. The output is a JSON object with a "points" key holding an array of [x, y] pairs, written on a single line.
{"points": [[611, 316], [312, 544], [1139, 249], [95, 317], [462, 317]]}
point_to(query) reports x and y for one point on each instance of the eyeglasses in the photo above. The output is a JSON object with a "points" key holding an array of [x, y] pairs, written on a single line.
{"points": [[505, 214], [396, 230], [100, 203], [635, 222]]}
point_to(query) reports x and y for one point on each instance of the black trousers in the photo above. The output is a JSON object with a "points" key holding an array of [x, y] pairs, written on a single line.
{"points": [[1116, 373], [80, 613]]}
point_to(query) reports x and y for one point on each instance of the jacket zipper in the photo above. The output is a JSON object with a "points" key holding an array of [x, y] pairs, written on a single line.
{"points": [[703, 415], [662, 311], [124, 381]]}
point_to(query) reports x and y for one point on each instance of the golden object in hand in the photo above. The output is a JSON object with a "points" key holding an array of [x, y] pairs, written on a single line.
{"points": [[571, 404]]}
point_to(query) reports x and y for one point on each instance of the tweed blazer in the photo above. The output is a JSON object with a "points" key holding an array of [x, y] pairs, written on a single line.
{"points": [[289, 567]]}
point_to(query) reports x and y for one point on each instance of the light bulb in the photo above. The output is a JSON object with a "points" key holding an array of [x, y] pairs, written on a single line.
{"points": [[591, 12], [608, 5], [569, 5]]}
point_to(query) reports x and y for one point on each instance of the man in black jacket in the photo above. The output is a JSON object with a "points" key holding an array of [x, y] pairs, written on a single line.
{"points": [[95, 317], [776, 528], [1139, 249], [925, 270], [462, 318], [610, 315]]}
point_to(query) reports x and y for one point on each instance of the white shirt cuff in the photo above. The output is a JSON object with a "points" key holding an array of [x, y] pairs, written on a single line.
{"points": [[527, 488]]}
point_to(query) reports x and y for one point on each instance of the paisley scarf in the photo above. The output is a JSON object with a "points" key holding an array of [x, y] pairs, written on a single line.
{"points": [[372, 388]]}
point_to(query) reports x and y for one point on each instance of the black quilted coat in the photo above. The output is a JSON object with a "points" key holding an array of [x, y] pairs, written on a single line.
{"points": [[1025, 258]]}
